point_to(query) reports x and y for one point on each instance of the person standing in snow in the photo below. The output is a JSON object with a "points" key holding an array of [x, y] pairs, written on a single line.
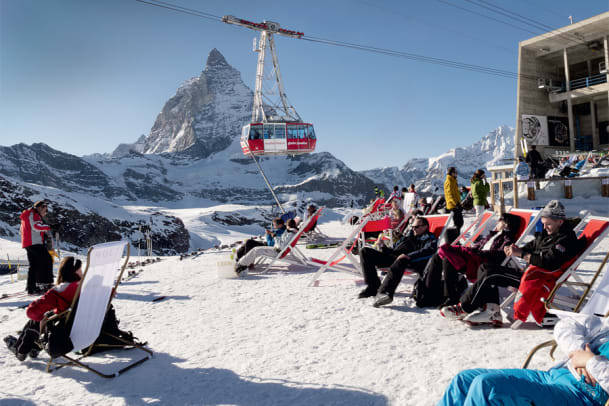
{"points": [[579, 380], [33, 234], [480, 190], [534, 159], [453, 197]]}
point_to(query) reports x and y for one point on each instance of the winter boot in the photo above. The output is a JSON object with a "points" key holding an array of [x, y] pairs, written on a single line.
{"points": [[368, 292], [491, 314], [11, 344], [453, 312], [382, 299]]}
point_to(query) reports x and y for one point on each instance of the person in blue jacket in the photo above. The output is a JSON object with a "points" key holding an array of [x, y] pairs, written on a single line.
{"points": [[581, 379]]}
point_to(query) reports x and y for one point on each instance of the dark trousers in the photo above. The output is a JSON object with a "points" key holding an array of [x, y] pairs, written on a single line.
{"points": [[28, 338], [248, 246], [440, 278], [486, 288], [370, 259], [457, 217], [41, 267]]}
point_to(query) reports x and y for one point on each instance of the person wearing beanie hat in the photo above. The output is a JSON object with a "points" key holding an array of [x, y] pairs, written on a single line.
{"points": [[33, 233], [556, 245]]}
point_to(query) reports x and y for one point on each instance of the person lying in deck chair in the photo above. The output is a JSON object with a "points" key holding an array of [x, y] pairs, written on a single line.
{"points": [[276, 231], [280, 241], [443, 280], [411, 251], [550, 250], [582, 379]]}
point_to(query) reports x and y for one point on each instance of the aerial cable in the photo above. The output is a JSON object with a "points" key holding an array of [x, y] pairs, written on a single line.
{"points": [[367, 48], [524, 20], [488, 17]]}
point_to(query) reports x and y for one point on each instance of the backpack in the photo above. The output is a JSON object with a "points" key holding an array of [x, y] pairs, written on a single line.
{"points": [[425, 296]]}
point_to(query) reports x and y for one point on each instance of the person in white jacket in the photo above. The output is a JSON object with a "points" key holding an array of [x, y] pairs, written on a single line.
{"points": [[247, 261], [581, 379]]}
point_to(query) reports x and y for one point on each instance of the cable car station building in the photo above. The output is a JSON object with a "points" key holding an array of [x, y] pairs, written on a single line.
{"points": [[563, 89]]}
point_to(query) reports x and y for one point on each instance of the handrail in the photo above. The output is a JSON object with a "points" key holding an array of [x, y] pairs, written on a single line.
{"points": [[585, 82]]}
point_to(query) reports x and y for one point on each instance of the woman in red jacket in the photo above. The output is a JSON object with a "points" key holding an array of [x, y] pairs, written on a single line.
{"points": [[56, 299]]}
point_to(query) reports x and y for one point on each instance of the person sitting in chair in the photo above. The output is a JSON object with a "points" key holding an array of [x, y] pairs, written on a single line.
{"points": [[279, 242], [556, 245], [56, 299], [411, 251], [581, 379], [443, 279]]}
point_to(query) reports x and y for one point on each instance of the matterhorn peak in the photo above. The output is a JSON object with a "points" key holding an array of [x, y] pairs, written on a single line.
{"points": [[215, 60]]}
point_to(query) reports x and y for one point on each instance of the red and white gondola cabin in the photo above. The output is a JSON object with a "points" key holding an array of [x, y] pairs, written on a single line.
{"points": [[278, 138]]}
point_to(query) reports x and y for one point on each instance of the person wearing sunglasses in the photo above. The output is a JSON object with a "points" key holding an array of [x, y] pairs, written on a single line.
{"points": [[410, 252]]}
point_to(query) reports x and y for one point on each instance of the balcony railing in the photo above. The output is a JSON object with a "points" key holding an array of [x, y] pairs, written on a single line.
{"points": [[585, 82]]}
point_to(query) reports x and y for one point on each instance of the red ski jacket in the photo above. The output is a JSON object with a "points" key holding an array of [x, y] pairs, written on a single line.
{"points": [[58, 299], [32, 228]]}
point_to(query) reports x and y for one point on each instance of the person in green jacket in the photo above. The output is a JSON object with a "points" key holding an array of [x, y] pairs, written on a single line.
{"points": [[480, 191]]}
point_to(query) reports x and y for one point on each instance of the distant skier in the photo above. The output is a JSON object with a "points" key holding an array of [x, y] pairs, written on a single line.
{"points": [[33, 233]]}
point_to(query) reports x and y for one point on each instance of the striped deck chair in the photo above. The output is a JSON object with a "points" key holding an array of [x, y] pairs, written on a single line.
{"points": [[537, 284], [474, 230], [596, 303], [90, 305], [290, 253], [345, 251]]}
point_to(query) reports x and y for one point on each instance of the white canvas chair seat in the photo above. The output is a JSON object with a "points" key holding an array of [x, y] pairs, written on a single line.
{"points": [[94, 295], [474, 230], [291, 253]]}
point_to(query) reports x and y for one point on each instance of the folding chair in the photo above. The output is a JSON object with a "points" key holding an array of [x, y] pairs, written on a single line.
{"points": [[290, 253], [90, 305], [474, 230], [343, 251], [597, 304], [594, 231], [438, 224]]}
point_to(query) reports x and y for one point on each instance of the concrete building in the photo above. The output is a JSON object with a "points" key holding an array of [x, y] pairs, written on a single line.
{"points": [[563, 89]]}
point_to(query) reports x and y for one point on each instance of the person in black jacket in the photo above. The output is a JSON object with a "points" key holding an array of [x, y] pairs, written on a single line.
{"points": [[550, 250], [411, 251], [534, 159]]}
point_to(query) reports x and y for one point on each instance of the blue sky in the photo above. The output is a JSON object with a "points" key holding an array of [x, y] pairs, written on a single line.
{"points": [[84, 75]]}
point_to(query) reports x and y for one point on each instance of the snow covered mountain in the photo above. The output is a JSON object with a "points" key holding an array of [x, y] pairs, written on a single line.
{"points": [[428, 173], [85, 220]]}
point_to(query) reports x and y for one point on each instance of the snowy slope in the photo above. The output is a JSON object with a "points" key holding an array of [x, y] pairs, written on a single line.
{"points": [[270, 340]]}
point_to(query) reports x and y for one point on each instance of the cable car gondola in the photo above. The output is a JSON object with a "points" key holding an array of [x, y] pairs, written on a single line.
{"points": [[278, 138]]}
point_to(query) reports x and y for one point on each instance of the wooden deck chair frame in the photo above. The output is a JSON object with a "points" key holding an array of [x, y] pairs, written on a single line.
{"points": [[290, 253], [477, 228], [344, 251], [578, 307], [53, 365]]}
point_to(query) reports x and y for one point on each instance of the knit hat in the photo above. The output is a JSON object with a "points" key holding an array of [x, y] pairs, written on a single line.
{"points": [[554, 209]]}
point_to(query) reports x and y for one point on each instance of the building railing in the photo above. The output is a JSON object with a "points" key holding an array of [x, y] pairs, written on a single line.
{"points": [[585, 82]]}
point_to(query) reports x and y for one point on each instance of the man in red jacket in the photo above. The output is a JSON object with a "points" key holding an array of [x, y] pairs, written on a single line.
{"points": [[33, 229]]}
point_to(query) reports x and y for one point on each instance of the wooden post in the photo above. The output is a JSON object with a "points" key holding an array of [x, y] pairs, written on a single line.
{"points": [[605, 187], [493, 187], [568, 189], [501, 200], [531, 190]]}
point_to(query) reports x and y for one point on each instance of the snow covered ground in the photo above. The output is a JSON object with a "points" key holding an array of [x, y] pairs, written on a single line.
{"points": [[269, 340]]}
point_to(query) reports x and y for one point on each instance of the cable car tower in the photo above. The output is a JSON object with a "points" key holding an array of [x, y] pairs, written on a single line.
{"points": [[275, 127]]}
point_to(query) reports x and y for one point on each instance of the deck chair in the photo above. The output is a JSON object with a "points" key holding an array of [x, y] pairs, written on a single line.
{"points": [[290, 253], [597, 304], [594, 231], [438, 224], [342, 252], [90, 305], [474, 230]]}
